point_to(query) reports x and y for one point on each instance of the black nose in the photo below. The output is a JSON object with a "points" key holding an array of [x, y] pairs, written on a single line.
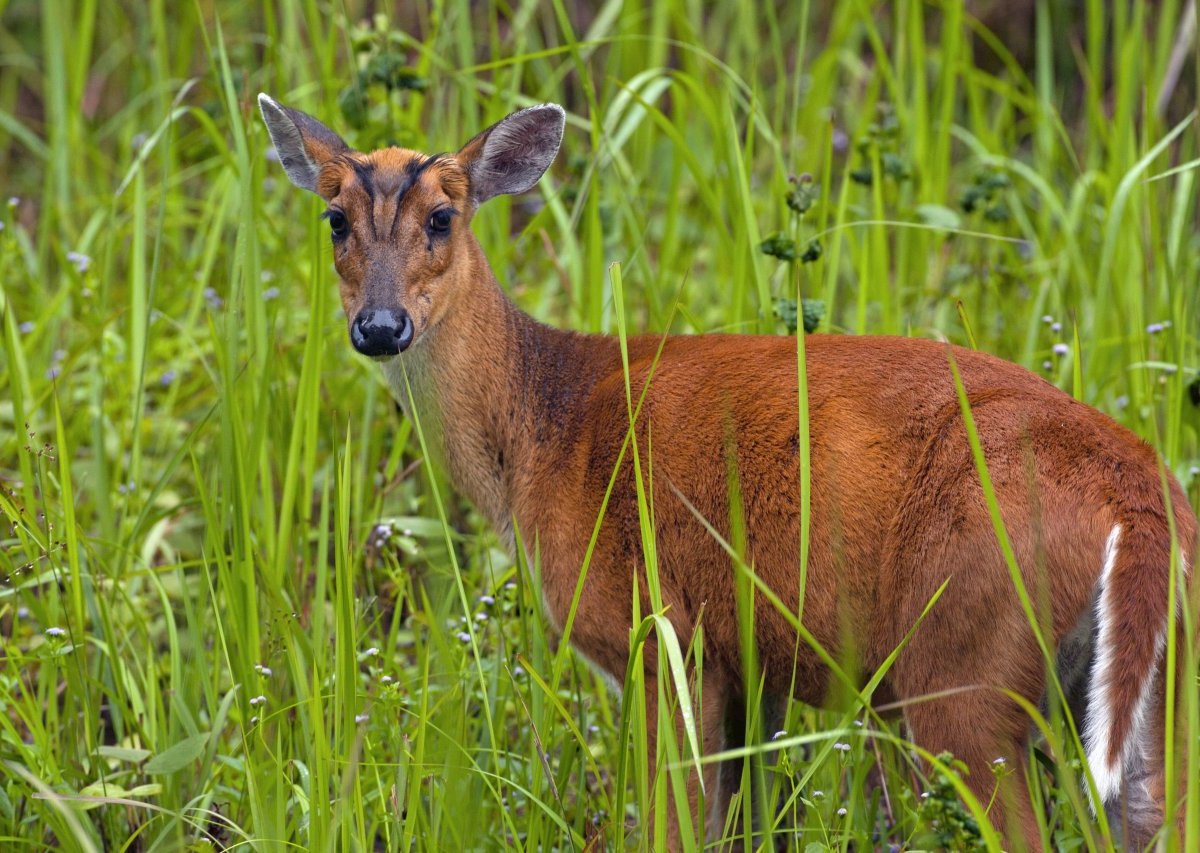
{"points": [[381, 331]]}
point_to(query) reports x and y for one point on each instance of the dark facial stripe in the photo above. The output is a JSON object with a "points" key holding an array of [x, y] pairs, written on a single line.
{"points": [[365, 172], [412, 173]]}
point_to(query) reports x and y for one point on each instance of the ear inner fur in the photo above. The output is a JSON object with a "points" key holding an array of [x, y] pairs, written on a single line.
{"points": [[510, 156], [302, 143]]}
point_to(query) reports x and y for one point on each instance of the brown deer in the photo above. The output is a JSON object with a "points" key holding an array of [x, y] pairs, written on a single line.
{"points": [[530, 422]]}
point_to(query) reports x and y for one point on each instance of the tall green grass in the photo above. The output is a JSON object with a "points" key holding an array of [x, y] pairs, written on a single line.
{"points": [[237, 608]]}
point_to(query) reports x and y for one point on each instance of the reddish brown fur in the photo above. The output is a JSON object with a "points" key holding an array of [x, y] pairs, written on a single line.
{"points": [[530, 420]]}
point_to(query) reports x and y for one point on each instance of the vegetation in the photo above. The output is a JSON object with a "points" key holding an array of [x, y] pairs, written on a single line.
{"points": [[236, 607]]}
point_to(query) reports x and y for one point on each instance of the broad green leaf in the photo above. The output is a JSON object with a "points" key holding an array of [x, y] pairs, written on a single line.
{"points": [[178, 756]]}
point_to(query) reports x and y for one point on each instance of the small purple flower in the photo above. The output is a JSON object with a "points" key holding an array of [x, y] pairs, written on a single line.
{"points": [[999, 762], [213, 298], [487, 600], [1056, 327], [1047, 319], [841, 812], [844, 747], [272, 155], [26, 327], [22, 612], [270, 293], [371, 652], [55, 632], [258, 700], [80, 261], [464, 637], [13, 201], [264, 671], [167, 378], [361, 718], [53, 371], [1061, 349], [1047, 365], [386, 679], [1154, 328], [58, 355], [840, 140], [481, 617]]}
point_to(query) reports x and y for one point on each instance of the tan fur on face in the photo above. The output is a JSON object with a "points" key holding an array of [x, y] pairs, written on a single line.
{"points": [[390, 259]]}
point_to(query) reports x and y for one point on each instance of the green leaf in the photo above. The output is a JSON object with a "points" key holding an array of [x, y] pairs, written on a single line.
{"points": [[110, 791], [178, 756], [122, 753], [101, 789], [939, 216], [151, 790]]}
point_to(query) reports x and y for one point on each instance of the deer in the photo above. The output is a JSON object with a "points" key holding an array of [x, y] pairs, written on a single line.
{"points": [[529, 421]]}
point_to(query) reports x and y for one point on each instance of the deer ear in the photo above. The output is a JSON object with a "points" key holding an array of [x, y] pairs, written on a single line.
{"points": [[511, 155], [302, 142]]}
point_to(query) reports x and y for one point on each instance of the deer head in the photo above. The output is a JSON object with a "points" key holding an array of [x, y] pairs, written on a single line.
{"points": [[399, 219]]}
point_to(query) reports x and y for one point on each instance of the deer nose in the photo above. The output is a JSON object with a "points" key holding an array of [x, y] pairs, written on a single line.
{"points": [[381, 331]]}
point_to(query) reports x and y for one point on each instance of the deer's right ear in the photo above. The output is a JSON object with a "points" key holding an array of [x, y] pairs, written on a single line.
{"points": [[302, 142]]}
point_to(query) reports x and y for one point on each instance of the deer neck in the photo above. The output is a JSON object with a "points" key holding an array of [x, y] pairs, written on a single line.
{"points": [[497, 395]]}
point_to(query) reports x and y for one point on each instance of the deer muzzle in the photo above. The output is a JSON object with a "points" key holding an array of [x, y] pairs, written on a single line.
{"points": [[381, 332]]}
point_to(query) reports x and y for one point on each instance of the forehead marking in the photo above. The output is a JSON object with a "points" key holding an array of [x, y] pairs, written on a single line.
{"points": [[413, 170], [389, 173]]}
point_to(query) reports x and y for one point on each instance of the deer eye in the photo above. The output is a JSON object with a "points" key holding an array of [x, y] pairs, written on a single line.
{"points": [[338, 226], [439, 220]]}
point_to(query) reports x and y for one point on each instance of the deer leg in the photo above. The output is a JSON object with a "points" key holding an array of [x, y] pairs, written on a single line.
{"points": [[704, 788], [979, 727], [770, 717]]}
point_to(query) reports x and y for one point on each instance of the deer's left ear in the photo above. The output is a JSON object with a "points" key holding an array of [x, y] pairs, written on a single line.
{"points": [[510, 156], [303, 143]]}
